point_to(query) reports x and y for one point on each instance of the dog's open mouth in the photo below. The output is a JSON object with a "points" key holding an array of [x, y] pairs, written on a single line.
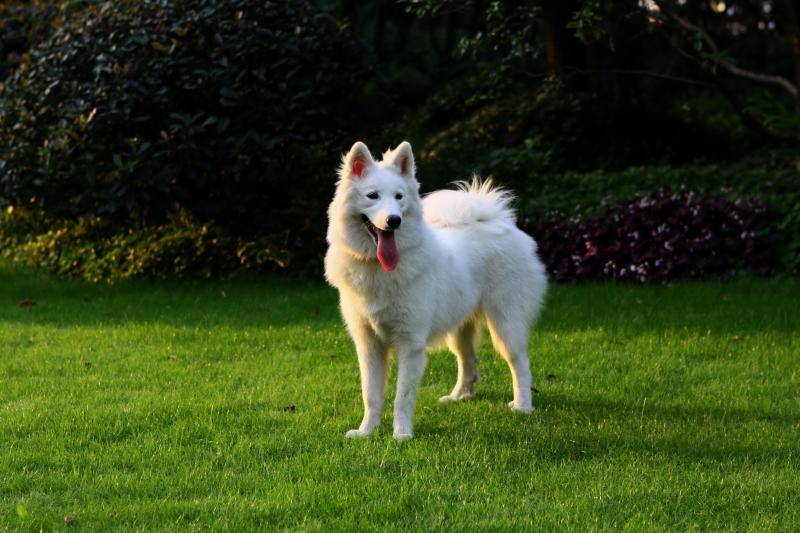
{"points": [[371, 229], [385, 243]]}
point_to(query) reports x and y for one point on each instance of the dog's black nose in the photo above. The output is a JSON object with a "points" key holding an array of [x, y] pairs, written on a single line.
{"points": [[393, 221]]}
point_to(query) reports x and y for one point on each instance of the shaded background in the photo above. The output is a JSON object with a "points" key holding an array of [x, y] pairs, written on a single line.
{"points": [[646, 140]]}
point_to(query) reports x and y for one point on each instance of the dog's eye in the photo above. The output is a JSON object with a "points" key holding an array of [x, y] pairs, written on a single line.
{"points": [[398, 196], [373, 196]]}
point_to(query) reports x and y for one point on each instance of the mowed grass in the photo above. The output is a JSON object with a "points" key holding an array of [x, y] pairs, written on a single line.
{"points": [[223, 405]]}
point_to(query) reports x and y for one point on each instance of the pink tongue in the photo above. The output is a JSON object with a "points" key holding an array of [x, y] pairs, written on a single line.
{"points": [[387, 250]]}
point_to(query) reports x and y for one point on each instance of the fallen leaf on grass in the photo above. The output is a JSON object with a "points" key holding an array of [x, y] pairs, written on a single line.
{"points": [[26, 302]]}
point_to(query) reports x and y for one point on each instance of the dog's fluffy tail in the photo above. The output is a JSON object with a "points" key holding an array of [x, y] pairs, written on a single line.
{"points": [[471, 203]]}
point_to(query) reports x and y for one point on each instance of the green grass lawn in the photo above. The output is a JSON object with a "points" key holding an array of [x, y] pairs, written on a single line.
{"points": [[200, 405]]}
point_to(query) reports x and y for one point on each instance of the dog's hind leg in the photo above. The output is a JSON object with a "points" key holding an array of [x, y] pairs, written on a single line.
{"points": [[510, 338], [463, 343]]}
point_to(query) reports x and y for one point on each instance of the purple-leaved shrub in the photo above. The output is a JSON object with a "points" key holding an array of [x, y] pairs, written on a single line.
{"points": [[665, 236]]}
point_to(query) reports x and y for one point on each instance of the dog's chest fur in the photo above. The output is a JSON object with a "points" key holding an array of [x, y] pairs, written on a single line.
{"points": [[383, 298]]}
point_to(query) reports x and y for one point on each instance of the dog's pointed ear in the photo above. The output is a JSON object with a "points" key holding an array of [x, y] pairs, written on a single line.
{"points": [[402, 158], [356, 162]]}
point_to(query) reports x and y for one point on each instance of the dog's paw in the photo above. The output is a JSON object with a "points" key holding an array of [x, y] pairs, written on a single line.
{"points": [[358, 433], [457, 397], [522, 409], [401, 436]]}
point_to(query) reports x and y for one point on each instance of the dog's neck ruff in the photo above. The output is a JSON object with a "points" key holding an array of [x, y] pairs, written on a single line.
{"points": [[371, 260]]}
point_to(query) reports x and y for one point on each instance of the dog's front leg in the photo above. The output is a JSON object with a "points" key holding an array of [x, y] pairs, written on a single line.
{"points": [[410, 366], [372, 357]]}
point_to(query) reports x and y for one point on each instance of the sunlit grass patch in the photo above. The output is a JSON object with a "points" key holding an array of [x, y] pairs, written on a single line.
{"points": [[224, 404]]}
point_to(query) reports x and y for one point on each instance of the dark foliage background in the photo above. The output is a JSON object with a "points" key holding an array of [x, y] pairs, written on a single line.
{"points": [[201, 137], [131, 110]]}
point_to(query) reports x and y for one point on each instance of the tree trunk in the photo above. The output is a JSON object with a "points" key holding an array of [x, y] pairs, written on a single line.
{"points": [[791, 24], [564, 51]]}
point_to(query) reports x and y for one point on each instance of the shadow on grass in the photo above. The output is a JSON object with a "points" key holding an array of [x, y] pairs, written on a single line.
{"points": [[181, 303], [689, 432], [738, 306]]}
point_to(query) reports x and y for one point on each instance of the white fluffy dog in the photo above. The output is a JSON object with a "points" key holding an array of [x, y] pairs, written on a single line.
{"points": [[412, 272]]}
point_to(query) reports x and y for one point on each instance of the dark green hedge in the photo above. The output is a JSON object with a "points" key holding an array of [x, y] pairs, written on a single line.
{"points": [[23, 24], [552, 131], [230, 110]]}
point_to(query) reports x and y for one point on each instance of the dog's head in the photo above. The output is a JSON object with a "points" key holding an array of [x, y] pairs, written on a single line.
{"points": [[376, 211]]}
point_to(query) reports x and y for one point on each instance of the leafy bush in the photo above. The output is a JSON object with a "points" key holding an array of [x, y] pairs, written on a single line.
{"points": [[550, 132], [234, 110], [88, 248], [23, 23], [773, 181], [660, 237]]}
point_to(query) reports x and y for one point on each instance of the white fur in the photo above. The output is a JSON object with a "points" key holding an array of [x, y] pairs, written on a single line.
{"points": [[463, 263]]}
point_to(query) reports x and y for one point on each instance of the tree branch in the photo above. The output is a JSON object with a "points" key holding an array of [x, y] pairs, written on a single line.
{"points": [[749, 120], [767, 79], [641, 72]]}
